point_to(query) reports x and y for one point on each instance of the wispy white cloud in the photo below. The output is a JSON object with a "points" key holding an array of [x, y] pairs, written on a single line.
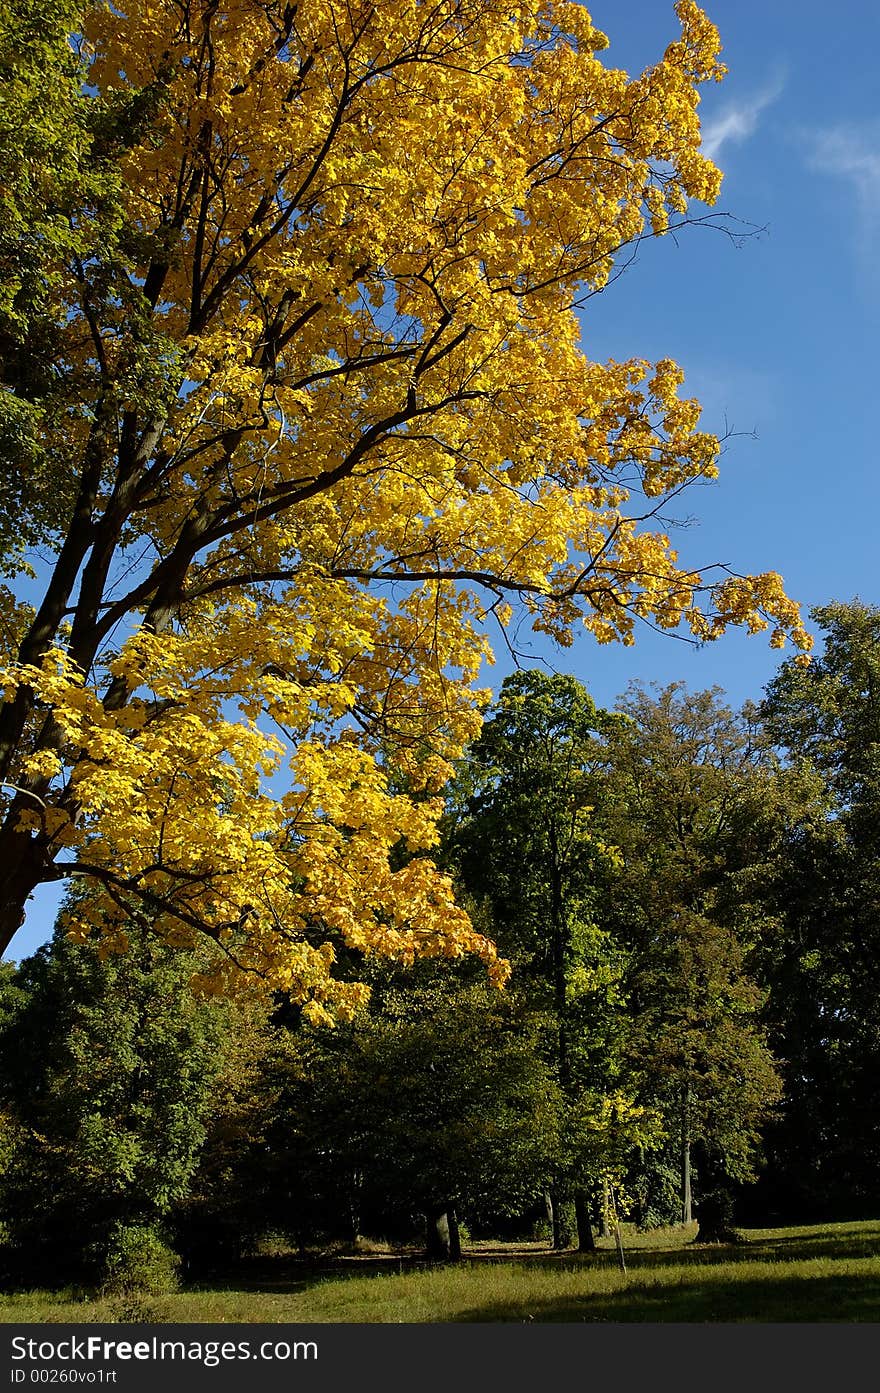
{"points": [[853, 153], [738, 120]]}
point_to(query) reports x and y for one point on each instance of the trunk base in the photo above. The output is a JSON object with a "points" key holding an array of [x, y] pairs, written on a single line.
{"points": [[585, 1236]]}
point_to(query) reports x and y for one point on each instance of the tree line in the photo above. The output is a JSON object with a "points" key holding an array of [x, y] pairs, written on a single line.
{"points": [[687, 895]]}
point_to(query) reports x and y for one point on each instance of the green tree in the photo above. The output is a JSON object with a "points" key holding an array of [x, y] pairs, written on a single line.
{"points": [[63, 243], [691, 803], [821, 964], [526, 844], [431, 1105], [107, 1070]]}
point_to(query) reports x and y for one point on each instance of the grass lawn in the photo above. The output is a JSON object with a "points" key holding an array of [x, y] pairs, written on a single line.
{"points": [[821, 1273]]}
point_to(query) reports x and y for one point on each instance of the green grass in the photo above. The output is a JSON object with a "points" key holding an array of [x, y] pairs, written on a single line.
{"points": [[821, 1273]]}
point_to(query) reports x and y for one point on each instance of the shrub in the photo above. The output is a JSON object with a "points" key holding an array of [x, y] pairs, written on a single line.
{"points": [[137, 1258]]}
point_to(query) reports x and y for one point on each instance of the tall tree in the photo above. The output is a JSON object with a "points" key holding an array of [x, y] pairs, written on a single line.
{"points": [[60, 189], [526, 846], [691, 804], [821, 963], [323, 409]]}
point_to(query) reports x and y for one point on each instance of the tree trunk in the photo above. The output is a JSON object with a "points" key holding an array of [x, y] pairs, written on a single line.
{"points": [[559, 943], [687, 1213], [586, 1241], [23, 866], [439, 1243], [603, 1213], [454, 1234], [42, 633], [714, 1207], [715, 1218], [561, 1235], [352, 1212]]}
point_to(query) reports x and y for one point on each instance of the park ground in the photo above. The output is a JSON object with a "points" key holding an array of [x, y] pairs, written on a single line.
{"points": [[827, 1272]]}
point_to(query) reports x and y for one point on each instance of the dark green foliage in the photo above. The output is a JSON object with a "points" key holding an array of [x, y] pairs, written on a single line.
{"points": [[526, 837], [107, 1068], [435, 1096], [64, 244], [137, 1258], [828, 713], [691, 802], [614, 857], [520, 832], [655, 1184], [822, 962]]}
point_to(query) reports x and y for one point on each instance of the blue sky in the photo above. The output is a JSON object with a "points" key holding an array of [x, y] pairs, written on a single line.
{"points": [[777, 336]]}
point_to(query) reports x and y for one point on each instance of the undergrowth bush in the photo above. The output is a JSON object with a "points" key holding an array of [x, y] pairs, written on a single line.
{"points": [[138, 1259]]}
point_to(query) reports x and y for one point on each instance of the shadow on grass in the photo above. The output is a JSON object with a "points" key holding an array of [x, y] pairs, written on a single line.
{"points": [[284, 1273], [757, 1250], [785, 1248], [825, 1299]]}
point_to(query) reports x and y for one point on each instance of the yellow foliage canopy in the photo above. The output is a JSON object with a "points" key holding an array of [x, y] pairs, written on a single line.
{"points": [[337, 416]]}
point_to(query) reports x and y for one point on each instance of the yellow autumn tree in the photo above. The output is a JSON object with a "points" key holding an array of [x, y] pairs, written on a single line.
{"points": [[319, 414]]}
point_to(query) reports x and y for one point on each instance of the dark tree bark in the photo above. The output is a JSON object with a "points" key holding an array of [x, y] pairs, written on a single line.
{"points": [[437, 1245], [559, 1221], [444, 1239], [549, 1208], [353, 1212], [454, 1235], [715, 1218], [586, 1240], [714, 1207]]}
